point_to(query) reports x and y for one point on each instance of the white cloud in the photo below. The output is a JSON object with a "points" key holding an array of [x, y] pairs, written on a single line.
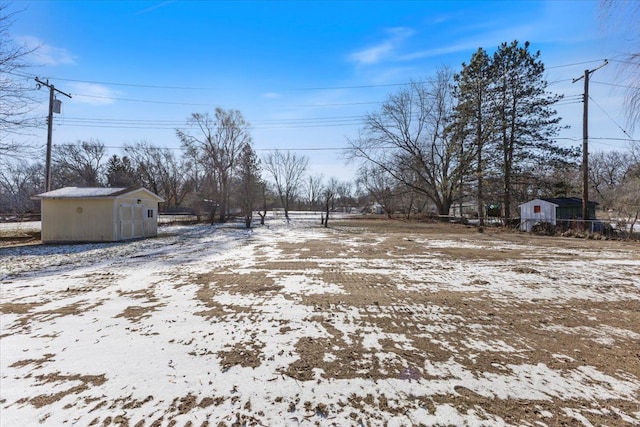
{"points": [[271, 95], [92, 94], [45, 54], [383, 50]]}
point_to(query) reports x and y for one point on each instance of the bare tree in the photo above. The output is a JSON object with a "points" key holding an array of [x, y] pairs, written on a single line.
{"points": [[329, 193], [18, 182], [314, 188], [78, 164], [262, 196], [160, 171], [16, 101], [625, 15], [381, 186], [629, 201], [216, 142], [408, 139], [344, 193], [608, 171], [287, 171]]}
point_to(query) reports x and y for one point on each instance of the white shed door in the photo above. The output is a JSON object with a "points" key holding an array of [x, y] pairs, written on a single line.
{"points": [[131, 221]]}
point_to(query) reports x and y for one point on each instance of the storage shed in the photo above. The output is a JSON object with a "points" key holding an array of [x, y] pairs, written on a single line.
{"points": [[97, 214], [552, 209]]}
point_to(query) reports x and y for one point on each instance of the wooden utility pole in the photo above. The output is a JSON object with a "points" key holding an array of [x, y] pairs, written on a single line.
{"points": [[585, 141], [52, 91]]}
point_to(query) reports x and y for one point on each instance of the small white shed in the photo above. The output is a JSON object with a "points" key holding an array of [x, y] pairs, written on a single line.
{"points": [[535, 211], [552, 210], [97, 214]]}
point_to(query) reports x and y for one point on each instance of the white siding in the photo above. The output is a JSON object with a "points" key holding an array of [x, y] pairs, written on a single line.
{"points": [[529, 217]]}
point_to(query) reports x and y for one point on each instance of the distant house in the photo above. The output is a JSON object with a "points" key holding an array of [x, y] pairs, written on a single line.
{"points": [[552, 210], [96, 214]]}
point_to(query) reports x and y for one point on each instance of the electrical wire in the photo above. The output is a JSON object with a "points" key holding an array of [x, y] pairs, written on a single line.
{"points": [[610, 118], [311, 88], [615, 85], [313, 122]]}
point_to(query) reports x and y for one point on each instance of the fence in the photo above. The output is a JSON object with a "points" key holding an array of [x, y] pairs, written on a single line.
{"points": [[605, 227], [19, 217], [307, 215]]}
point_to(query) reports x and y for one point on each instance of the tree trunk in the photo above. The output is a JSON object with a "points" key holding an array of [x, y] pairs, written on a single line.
{"points": [[247, 220], [479, 195], [212, 216], [224, 187], [633, 223], [326, 217]]}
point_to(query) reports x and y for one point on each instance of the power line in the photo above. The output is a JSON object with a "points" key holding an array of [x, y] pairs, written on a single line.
{"points": [[626, 62], [616, 85], [573, 64], [611, 118], [201, 88], [117, 147], [145, 101]]}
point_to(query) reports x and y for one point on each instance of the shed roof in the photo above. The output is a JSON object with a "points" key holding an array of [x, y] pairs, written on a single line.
{"points": [[562, 201], [567, 201], [92, 193]]}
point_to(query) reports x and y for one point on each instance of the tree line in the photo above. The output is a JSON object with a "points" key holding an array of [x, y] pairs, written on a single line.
{"points": [[484, 136], [215, 173]]}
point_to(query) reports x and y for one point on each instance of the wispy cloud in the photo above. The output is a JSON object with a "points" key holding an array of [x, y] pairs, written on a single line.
{"points": [[45, 54], [442, 50], [271, 95], [154, 7], [489, 40], [92, 94], [383, 50]]}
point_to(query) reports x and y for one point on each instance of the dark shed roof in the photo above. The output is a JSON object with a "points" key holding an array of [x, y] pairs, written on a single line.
{"points": [[567, 201]]}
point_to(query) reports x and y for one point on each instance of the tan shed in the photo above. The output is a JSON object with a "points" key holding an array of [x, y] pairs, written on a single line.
{"points": [[97, 214]]}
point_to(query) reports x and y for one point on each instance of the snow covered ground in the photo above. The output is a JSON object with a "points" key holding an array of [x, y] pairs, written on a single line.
{"points": [[301, 325]]}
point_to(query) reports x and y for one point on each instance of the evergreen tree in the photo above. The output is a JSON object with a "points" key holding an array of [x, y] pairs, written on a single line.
{"points": [[120, 172], [250, 183], [525, 120], [474, 121], [506, 114]]}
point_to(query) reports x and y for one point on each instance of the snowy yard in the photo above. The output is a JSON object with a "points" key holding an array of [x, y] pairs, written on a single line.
{"points": [[364, 323]]}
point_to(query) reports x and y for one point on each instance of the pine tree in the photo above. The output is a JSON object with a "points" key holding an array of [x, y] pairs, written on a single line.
{"points": [[249, 180], [506, 114], [525, 123], [120, 172], [473, 115]]}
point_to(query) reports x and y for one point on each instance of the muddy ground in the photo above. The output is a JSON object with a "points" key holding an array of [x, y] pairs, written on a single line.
{"points": [[412, 323]]}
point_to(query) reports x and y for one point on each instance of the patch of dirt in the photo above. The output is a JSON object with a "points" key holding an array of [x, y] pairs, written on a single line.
{"points": [[136, 313], [30, 313], [248, 355], [37, 363], [19, 238], [85, 382]]}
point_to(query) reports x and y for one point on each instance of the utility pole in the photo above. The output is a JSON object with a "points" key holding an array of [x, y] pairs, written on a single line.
{"points": [[585, 140], [52, 91]]}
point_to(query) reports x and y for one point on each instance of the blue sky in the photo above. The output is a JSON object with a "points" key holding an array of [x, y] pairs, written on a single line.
{"points": [[302, 73]]}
